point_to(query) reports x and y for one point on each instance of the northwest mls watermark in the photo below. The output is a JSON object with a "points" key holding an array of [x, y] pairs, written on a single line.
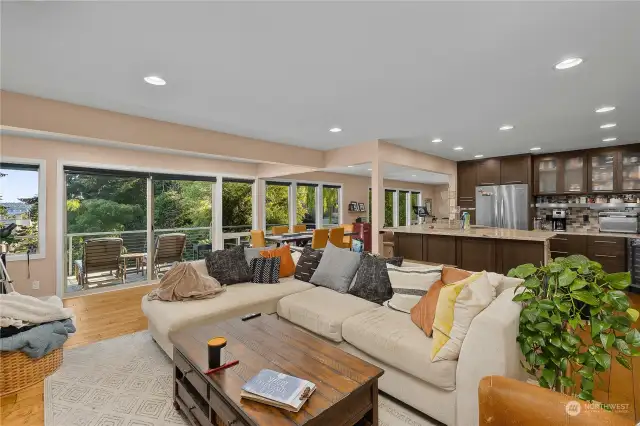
{"points": [[574, 408]]}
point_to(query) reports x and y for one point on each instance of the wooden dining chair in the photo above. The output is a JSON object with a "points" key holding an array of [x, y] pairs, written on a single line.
{"points": [[257, 238], [347, 240], [299, 228], [319, 239], [336, 235], [279, 230]]}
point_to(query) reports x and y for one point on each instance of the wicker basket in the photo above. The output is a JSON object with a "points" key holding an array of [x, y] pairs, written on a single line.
{"points": [[18, 371]]}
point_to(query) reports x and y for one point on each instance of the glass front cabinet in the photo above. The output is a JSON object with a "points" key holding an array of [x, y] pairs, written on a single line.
{"points": [[629, 170], [562, 173]]}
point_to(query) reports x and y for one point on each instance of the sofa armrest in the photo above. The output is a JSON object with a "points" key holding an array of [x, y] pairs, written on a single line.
{"points": [[489, 348]]}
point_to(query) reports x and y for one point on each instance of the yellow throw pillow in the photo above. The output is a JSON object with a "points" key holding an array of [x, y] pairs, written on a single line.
{"points": [[458, 304]]}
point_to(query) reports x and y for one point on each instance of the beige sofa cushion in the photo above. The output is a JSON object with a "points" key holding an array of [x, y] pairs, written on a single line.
{"points": [[391, 337], [322, 310], [239, 299]]}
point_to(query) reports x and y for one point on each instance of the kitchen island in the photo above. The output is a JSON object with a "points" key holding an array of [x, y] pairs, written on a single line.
{"points": [[475, 249]]}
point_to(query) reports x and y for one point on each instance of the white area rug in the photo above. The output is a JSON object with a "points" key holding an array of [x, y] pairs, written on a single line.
{"points": [[126, 381]]}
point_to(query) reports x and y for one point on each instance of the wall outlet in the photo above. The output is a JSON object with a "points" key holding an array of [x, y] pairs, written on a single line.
{"points": [[35, 285]]}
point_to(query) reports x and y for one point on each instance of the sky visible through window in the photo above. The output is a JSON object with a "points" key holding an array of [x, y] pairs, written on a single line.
{"points": [[18, 184]]}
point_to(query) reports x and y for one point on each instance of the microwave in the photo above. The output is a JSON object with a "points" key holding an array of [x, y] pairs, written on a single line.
{"points": [[622, 222]]}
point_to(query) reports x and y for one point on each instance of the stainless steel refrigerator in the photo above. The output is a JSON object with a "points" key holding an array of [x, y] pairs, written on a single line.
{"points": [[503, 206]]}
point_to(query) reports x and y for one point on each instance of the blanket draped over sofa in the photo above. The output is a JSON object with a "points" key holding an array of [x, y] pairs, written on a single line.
{"points": [[184, 282]]}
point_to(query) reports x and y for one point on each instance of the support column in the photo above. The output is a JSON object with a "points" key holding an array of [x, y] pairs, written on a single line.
{"points": [[218, 241], [259, 204], [377, 203], [293, 205], [151, 241]]}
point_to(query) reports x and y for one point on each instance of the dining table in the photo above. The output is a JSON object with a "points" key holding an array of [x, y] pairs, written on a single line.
{"points": [[298, 238]]}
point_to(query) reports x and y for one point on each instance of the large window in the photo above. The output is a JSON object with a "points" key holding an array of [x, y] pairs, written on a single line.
{"points": [[237, 210], [402, 208], [331, 205], [306, 204], [276, 204], [20, 208], [388, 207]]}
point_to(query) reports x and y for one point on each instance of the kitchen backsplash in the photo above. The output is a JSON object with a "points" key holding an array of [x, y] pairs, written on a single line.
{"points": [[582, 218]]}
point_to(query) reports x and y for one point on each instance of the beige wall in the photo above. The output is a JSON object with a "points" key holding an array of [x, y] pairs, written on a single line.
{"points": [[356, 188], [45, 270]]}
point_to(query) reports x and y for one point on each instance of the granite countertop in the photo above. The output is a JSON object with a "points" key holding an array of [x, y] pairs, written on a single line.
{"points": [[598, 233], [480, 232]]}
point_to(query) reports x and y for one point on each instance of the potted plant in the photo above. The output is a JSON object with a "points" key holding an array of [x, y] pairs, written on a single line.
{"points": [[558, 300]]}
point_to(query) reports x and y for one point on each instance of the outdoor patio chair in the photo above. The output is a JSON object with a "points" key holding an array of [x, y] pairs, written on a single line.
{"points": [[169, 249], [99, 255]]}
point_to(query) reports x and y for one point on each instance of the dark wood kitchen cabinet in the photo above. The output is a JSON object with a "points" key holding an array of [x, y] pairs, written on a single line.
{"points": [[628, 172], [439, 249], [476, 254], [610, 252], [511, 253], [515, 170], [408, 246], [603, 171], [562, 173], [488, 172], [563, 245], [467, 180]]}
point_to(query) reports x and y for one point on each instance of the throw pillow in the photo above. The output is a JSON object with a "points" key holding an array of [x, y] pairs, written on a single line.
{"points": [[458, 304], [287, 267], [410, 283], [336, 269], [251, 253], [424, 312], [229, 266], [308, 263], [265, 270], [372, 280]]}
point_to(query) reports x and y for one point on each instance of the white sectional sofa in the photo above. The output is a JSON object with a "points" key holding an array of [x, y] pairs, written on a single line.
{"points": [[445, 390]]}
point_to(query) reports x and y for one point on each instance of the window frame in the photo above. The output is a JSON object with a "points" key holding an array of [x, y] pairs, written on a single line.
{"points": [[396, 210], [42, 208]]}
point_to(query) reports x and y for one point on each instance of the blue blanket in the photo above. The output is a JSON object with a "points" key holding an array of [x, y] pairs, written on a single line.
{"points": [[39, 341]]}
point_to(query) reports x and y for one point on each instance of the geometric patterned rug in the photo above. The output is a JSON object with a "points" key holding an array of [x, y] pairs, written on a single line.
{"points": [[126, 381]]}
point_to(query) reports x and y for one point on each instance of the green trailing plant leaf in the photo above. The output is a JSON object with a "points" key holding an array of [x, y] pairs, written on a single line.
{"points": [[545, 327], [619, 280], [532, 282], [526, 270], [604, 359], [585, 296], [549, 376], [607, 340], [547, 305], [632, 338], [566, 277], [633, 314], [618, 300], [555, 267], [578, 283], [555, 341], [567, 381], [522, 297], [623, 361], [622, 346]]}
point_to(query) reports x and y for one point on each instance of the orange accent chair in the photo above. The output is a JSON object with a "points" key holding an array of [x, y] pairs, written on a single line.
{"points": [[279, 230], [257, 239], [300, 228], [336, 235], [347, 240], [319, 239]]}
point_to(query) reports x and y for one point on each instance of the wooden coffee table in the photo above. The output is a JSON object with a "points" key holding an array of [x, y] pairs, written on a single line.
{"points": [[347, 387]]}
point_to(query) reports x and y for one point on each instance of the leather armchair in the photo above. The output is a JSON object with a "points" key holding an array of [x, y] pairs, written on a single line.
{"points": [[508, 402]]}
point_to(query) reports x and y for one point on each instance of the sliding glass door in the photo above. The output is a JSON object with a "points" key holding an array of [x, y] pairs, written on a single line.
{"points": [[237, 211]]}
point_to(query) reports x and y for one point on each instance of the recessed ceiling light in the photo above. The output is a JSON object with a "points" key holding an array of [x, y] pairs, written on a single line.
{"points": [[568, 63], [349, 166], [335, 129], [609, 139], [155, 80], [605, 109], [369, 169], [413, 175], [608, 125], [535, 148], [437, 140], [458, 148], [506, 127], [478, 156]]}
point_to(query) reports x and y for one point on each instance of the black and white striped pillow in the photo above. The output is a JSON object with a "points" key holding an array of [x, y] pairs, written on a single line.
{"points": [[410, 283], [265, 270]]}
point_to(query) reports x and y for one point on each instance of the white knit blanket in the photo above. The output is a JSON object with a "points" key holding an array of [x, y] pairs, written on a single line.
{"points": [[19, 310]]}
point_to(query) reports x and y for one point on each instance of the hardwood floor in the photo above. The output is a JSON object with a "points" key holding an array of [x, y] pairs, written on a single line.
{"points": [[107, 315], [98, 317]]}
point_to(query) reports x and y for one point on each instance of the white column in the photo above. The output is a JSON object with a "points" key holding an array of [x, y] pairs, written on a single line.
{"points": [[151, 243], [293, 205], [319, 207], [258, 210], [396, 210], [218, 242], [377, 204]]}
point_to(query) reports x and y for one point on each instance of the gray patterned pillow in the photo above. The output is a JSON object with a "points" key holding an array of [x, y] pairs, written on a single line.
{"points": [[372, 282], [229, 266]]}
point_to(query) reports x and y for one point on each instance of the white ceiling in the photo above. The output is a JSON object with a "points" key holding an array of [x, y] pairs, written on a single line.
{"points": [[394, 172], [287, 72]]}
